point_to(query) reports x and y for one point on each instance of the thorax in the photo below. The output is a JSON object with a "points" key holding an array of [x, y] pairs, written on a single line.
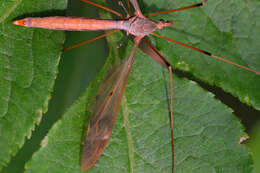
{"points": [[139, 26]]}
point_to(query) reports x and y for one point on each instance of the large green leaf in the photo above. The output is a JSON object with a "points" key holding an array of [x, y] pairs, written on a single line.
{"points": [[227, 29], [28, 67], [206, 131]]}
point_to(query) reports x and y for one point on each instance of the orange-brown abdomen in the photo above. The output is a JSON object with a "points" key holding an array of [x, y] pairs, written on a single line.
{"points": [[70, 23]]}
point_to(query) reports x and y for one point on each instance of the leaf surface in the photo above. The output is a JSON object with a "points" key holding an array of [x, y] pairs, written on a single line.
{"points": [[226, 29], [206, 131], [28, 67]]}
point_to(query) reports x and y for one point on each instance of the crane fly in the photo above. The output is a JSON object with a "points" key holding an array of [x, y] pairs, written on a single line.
{"points": [[109, 96]]}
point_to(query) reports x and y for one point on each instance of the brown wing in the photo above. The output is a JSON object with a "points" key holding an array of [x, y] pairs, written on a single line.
{"points": [[105, 110]]}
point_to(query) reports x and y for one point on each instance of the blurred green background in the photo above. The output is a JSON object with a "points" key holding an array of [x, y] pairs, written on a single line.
{"points": [[78, 67]]}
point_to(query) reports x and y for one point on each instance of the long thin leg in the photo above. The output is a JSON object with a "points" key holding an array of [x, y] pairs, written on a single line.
{"points": [[174, 10], [128, 7], [161, 60], [90, 40], [105, 8], [138, 12], [171, 105], [207, 53], [126, 10]]}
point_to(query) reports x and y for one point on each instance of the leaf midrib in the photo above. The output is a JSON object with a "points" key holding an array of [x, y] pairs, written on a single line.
{"points": [[130, 142]]}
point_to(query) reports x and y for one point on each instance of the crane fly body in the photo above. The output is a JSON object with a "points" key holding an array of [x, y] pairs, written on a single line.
{"points": [[137, 26], [109, 95], [111, 89]]}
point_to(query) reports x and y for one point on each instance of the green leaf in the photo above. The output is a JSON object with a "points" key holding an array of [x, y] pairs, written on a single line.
{"points": [[28, 67], [226, 29], [254, 145], [206, 132], [7, 7]]}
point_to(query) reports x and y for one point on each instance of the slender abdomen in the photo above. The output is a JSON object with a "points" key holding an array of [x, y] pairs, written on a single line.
{"points": [[70, 23]]}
